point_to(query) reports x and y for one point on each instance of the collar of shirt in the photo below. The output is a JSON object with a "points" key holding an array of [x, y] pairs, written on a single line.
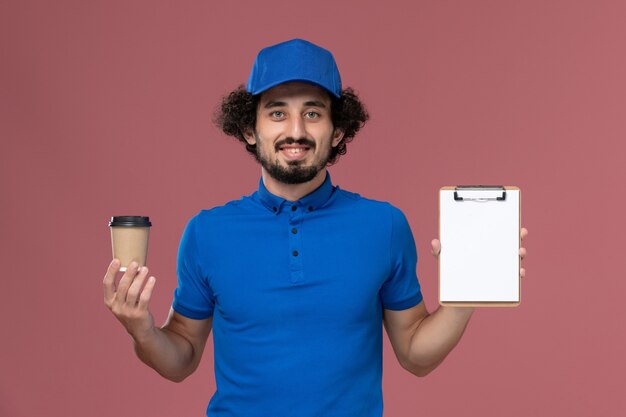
{"points": [[312, 201]]}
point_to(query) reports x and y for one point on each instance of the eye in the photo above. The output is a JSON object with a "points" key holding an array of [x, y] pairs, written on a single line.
{"points": [[312, 115], [277, 114]]}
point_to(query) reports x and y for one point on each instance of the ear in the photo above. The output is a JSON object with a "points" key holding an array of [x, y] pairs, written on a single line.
{"points": [[337, 136], [249, 136]]}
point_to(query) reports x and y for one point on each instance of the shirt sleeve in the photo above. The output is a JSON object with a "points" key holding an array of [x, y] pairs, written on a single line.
{"points": [[193, 297], [401, 290]]}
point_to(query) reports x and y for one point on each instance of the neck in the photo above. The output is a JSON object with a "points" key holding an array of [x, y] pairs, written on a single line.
{"points": [[292, 192]]}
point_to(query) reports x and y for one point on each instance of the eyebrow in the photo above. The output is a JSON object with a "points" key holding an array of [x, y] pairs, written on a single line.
{"points": [[314, 103]]}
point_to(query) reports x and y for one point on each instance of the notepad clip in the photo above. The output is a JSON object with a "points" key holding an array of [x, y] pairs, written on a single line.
{"points": [[480, 193]]}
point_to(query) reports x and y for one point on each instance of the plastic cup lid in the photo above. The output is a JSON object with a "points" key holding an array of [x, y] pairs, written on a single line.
{"points": [[130, 221]]}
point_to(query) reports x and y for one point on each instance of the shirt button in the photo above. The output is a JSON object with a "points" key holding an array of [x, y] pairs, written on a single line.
{"points": [[294, 230], [275, 209], [295, 253], [294, 208], [310, 208]]}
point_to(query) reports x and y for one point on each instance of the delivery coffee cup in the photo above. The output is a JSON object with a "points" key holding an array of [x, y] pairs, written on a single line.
{"points": [[129, 239]]}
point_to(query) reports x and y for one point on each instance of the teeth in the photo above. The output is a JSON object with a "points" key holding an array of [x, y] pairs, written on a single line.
{"points": [[295, 150]]}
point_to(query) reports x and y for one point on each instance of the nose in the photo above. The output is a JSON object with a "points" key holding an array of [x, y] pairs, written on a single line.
{"points": [[297, 128]]}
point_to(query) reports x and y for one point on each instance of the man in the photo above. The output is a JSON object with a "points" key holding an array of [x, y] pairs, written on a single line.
{"points": [[296, 279]]}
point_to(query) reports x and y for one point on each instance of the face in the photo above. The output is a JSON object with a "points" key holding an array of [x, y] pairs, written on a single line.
{"points": [[294, 132]]}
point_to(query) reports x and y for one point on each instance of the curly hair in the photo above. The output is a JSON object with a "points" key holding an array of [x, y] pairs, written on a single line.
{"points": [[237, 114]]}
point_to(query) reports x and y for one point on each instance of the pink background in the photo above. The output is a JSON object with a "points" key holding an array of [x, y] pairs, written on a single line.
{"points": [[105, 110]]}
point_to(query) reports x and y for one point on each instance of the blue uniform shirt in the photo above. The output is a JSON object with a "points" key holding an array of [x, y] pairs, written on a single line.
{"points": [[297, 291]]}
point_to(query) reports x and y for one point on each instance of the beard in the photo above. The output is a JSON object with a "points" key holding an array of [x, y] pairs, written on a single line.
{"points": [[295, 172]]}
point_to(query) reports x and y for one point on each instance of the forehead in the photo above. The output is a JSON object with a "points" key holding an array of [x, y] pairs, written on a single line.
{"points": [[295, 92]]}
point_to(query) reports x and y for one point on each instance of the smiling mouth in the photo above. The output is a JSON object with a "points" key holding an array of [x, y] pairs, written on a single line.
{"points": [[294, 150], [293, 153]]}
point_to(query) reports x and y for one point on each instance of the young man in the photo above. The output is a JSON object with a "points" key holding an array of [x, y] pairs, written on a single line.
{"points": [[297, 279]]}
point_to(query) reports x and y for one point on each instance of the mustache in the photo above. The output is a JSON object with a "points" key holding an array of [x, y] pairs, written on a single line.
{"points": [[290, 141]]}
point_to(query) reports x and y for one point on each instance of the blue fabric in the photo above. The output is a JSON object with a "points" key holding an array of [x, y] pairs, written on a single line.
{"points": [[297, 335], [294, 60]]}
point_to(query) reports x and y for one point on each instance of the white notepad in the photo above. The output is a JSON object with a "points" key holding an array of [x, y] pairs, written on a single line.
{"points": [[479, 230]]}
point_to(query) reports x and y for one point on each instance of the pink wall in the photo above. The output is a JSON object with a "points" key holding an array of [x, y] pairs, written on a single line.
{"points": [[105, 110]]}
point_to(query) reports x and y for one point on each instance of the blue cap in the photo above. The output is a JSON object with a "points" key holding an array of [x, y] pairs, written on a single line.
{"points": [[294, 60]]}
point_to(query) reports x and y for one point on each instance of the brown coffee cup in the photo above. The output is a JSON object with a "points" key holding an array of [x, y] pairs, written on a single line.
{"points": [[129, 239]]}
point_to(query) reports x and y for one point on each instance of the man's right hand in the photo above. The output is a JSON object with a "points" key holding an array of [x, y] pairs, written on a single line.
{"points": [[129, 301]]}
